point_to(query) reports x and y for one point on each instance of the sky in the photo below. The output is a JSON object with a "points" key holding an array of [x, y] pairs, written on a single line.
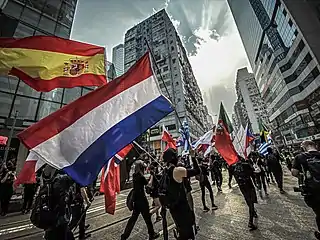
{"points": [[206, 28]]}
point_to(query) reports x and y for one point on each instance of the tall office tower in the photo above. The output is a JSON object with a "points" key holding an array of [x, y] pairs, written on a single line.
{"points": [[249, 97], [175, 68], [23, 19], [118, 59], [281, 38]]}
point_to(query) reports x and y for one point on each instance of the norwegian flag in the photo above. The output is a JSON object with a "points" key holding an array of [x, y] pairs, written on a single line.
{"points": [[110, 179]]}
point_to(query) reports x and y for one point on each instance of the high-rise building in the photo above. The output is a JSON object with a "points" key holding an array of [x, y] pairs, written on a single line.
{"points": [[118, 59], [252, 106], [281, 38], [175, 68], [23, 19]]}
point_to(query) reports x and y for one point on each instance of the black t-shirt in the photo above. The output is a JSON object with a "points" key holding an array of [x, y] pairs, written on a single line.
{"points": [[139, 183], [300, 161]]}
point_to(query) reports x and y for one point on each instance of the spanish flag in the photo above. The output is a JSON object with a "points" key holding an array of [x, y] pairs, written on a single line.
{"points": [[46, 62]]}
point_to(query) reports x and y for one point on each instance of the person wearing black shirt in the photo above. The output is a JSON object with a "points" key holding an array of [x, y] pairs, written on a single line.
{"points": [[216, 174], [141, 204], [6, 188], [259, 167], [274, 165], [154, 190], [305, 163], [205, 184], [28, 195], [180, 209], [243, 173]]}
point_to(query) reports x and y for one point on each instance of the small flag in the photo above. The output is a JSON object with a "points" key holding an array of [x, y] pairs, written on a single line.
{"points": [[3, 140], [263, 132], [248, 139], [206, 139], [48, 62], [29, 169], [166, 137], [223, 142], [101, 123], [185, 135]]}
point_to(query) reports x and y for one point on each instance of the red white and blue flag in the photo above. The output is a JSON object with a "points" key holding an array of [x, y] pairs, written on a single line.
{"points": [[110, 179], [83, 136], [248, 139]]}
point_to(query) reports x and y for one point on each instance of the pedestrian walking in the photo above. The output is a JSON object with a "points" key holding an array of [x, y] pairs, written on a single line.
{"points": [[154, 190], [216, 173], [28, 195], [259, 173], [6, 188], [274, 166], [141, 204], [243, 173], [307, 166]]}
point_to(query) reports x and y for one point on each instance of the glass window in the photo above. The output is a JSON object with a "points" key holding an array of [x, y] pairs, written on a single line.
{"points": [[62, 31], [66, 14], [37, 4], [39, 33], [54, 95], [6, 101], [52, 8], [86, 91], [30, 16], [13, 9], [47, 24], [23, 31], [26, 107], [24, 89], [8, 83], [71, 94], [46, 108]]}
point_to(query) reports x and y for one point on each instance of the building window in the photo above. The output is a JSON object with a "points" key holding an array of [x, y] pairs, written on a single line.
{"points": [[6, 102], [71, 94], [47, 24], [26, 90], [284, 12], [165, 69], [30, 16], [23, 31], [290, 23], [54, 95], [13, 9], [62, 31], [26, 107], [8, 84], [173, 60], [46, 108], [52, 8], [172, 48], [37, 4], [66, 14]]}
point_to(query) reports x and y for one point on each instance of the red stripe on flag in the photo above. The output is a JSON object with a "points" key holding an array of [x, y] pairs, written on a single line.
{"points": [[52, 44], [64, 117], [60, 82], [111, 187], [27, 174]]}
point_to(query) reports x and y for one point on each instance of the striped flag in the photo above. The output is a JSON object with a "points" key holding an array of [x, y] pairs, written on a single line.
{"points": [[83, 136], [48, 62]]}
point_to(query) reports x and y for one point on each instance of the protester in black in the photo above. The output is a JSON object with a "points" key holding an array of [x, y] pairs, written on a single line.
{"points": [[274, 166], [230, 172], [243, 173], [78, 214], [154, 190], [60, 197], [180, 209], [141, 204], [259, 167], [6, 188], [307, 164], [216, 173], [205, 184], [28, 195]]}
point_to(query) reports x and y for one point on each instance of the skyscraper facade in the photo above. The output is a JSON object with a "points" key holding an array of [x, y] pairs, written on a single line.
{"points": [[23, 19], [118, 59], [179, 83], [282, 44], [252, 106]]}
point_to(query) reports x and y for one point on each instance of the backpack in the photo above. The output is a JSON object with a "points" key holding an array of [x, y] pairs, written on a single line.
{"points": [[313, 173], [130, 200], [240, 174], [167, 198], [43, 214]]}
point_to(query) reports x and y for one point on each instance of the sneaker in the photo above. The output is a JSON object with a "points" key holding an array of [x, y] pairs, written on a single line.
{"points": [[230, 186], [214, 207], [252, 227], [317, 235], [175, 233], [154, 236], [86, 226], [282, 191], [219, 190], [158, 219], [206, 209]]}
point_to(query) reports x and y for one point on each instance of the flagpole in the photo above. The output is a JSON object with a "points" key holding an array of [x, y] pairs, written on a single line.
{"points": [[162, 80]]}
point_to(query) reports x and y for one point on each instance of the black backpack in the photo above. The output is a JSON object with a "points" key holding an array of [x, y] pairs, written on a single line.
{"points": [[313, 175], [44, 215], [167, 197], [240, 173], [130, 200]]}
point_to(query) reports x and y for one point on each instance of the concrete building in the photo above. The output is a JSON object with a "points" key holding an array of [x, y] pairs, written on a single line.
{"points": [[251, 104], [281, 38], [118, 59], [175, 68], [111, 71], [22, 19]]}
